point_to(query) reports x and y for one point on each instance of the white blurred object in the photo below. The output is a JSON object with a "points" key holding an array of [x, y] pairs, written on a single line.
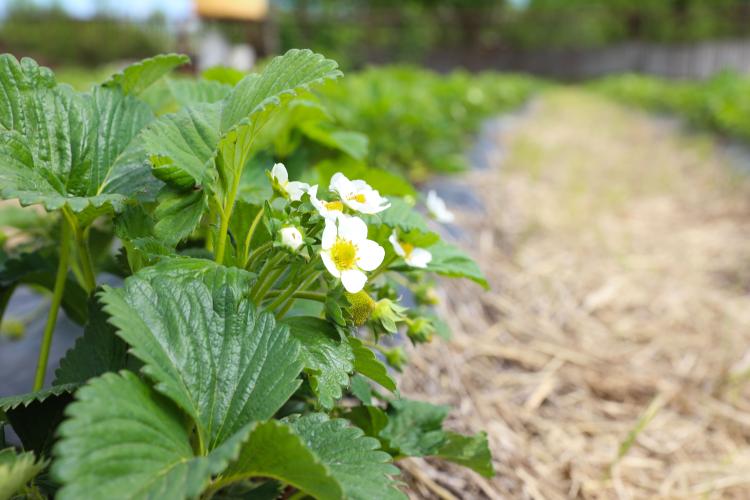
{"points": [[215, 50]]}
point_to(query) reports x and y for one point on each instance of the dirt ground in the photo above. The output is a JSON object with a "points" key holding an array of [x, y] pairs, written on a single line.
{"points": [[611, 359]]}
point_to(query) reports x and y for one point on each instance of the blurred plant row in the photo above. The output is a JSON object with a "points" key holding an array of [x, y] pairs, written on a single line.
{"points": [[377, 31], [721, 104]]}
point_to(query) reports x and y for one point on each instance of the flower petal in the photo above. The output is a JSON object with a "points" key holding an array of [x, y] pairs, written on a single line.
{"points": [[369, 255], [296, 189], [279, 173], [353, 280], [340, 184], [419, 257], [330, 265], [353, 229], [329, 234], [393, 238]]}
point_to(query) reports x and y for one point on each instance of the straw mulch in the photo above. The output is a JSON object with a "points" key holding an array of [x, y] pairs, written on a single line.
{"points": [[611, 359]]}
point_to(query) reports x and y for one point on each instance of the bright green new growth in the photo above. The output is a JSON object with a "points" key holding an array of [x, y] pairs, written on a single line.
{"points": [[229, 360]]}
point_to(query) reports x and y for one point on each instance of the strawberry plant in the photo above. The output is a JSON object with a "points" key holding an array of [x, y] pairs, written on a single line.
{"points": [[251, 348]]}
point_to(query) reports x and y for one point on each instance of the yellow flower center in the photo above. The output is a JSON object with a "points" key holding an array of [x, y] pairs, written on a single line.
{"points": [[408, 248], [334, 205], [358, 197], [343, 254]]}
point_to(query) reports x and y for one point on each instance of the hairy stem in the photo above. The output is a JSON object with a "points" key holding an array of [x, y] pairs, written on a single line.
{"points": [[257, 253], [226, 215], [57, 293], [291, 297]]}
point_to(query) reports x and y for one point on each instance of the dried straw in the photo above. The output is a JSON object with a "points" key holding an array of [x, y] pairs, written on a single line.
{"points": [[611, 358]]}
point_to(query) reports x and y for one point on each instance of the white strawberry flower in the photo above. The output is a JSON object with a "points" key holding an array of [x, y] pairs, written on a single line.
{"points": [[413, 256], [346, 251], [291, 237], [358, 195], [437, 208], [327, 209], [292, 190]]}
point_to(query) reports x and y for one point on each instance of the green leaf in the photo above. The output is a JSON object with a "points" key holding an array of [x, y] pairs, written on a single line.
{"points": [[208, 349], [16, 469], [253, 101], [371, 419], [327, 459], [353, 144], [415, 428], [11, 402], [122, 440], [135, 78], [188, 92], [368, 365], [282, 77], [178, 214], [469, 451], [59, 148], [361, 389], [35, 416], [362, 470], [275, 450], [448, 260], [223, 74], [96, 352], [182, 145], [327, 360]]}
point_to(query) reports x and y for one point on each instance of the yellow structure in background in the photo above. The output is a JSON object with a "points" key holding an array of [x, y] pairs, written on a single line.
{"points": [[246, 10]]}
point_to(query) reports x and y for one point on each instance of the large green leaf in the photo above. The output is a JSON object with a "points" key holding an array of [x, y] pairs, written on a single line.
{"points": [[137, 77], [208, 349], [16, 469], [252, 102], [275, 450], [448, 260], [123, 440], [401, 215], [354, 459], [328, 361], [58, 147], [283, 76], [327, 459]]}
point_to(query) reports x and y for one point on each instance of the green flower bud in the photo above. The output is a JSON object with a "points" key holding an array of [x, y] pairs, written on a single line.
{"points": [[426, 295], [420, 330], [396, 357], [387, 313], [362, 306]]}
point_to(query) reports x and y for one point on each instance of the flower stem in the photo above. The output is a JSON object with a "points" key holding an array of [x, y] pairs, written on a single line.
{"points": [[257, 253], [226, 215], [250, 234], [291, 297], [260, 287], [57, 293], [86, 273]]}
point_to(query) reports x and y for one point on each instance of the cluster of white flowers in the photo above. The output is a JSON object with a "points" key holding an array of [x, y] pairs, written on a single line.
{"points": [[345, 250]]}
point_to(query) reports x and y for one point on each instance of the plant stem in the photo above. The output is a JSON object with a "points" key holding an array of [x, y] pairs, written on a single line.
{"points": [[291, 298], [383, 267], [87, 265], [57, 293], [260, 288], [226, 215], [251, 233], [257, 253]]}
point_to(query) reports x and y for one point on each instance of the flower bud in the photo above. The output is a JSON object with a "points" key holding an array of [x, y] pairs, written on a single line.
{"points": [[291, 237], [396, 357], [420, 330], [387, 313]]}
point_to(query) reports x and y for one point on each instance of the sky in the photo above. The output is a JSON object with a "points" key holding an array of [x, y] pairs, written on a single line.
{"points": [[138, 9]]}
